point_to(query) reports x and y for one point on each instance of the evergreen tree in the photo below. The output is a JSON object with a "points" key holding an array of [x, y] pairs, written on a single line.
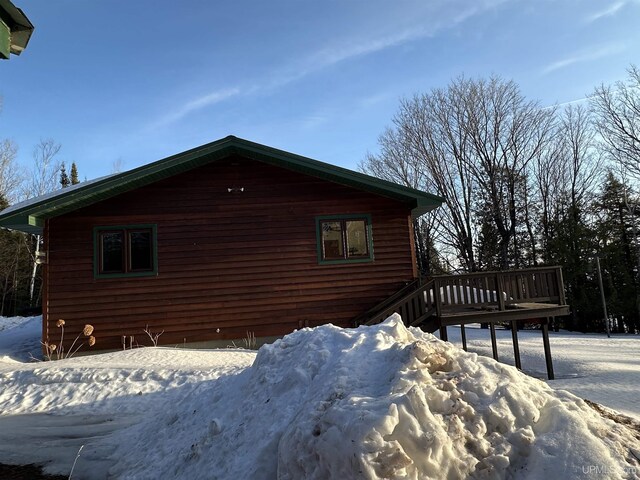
{"points": [[615, 232], [64, 178], [573, 247], [15, 266], [74, 174], [488, 244]]}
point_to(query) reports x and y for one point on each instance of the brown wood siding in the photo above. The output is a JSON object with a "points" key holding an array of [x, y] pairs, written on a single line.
{"points": [[227, 263]]}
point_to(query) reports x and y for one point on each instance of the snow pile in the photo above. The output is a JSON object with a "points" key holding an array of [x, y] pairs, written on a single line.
{"points": [[592, 366], [373, 402], [20, 338]]}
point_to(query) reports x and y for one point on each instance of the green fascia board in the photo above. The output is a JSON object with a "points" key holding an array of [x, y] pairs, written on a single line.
{"points": [[87, 193], [5, 40], [338, 174]]}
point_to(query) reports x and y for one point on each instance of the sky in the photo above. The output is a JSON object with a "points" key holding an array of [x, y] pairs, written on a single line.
{"points": [[123, 83]]}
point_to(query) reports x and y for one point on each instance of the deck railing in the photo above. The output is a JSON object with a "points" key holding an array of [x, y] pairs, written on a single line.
{"points": [[498, 290], [411, 306], [489, 297], [481, 290]]}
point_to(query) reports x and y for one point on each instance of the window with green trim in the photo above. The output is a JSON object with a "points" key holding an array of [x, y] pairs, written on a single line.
{"points": [[125, 251], [344, 239]]}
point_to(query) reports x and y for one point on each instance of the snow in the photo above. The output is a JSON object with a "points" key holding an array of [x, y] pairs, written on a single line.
{"points": [[20, 338], [374, 402], [592, 366], [460, 294], [52, 195]]}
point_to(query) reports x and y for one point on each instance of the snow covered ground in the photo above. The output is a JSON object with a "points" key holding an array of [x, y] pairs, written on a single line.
{"points": [[373, 402], [592, 366]]}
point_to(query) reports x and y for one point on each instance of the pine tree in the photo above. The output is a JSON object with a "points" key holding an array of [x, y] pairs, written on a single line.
{"points": [[64, 178], [573, 246], [15, 265], [618, 255], [74, 174]]}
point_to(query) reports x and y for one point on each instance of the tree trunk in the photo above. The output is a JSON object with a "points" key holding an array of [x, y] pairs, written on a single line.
{"points": [[34, 270]]}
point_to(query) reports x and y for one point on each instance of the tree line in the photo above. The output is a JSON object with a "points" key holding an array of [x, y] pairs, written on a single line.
{"points": [[20, 272], [526, 185]]}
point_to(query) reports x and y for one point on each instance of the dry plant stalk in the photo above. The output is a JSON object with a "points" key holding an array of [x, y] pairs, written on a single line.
{"points": [[153, 336], [57, 351]]}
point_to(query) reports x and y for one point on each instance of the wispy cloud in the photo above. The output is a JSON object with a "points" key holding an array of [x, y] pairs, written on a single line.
{"points": [[311, 122], [207, 100], [288, 74], [607, 12], [584, 56], [344, 49], [329, 56], [365, 44], [564, 104]]}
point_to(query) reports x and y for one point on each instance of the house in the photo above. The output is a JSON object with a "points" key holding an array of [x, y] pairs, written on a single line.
{"points": [[228, 238], [15, 30]]}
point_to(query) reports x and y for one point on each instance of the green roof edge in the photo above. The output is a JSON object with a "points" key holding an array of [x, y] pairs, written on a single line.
{"points": [[19, 24], [28, 217]]}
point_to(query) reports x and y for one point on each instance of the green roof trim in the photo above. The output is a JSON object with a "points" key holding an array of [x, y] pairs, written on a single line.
{"points": [[15, 29], [29, 216]]}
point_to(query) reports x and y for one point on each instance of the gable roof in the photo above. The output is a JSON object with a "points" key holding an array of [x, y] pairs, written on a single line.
{"points": [[29, 216]]}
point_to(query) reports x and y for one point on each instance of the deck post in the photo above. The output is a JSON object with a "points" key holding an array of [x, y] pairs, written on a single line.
{"points": [[437, 298], [560, 280], [494, 343], [463, 334], [443, 333], [547, 348], [516, 346], [501, 292]]}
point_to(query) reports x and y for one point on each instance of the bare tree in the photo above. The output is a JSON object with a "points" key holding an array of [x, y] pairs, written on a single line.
{"points": [[506, 133], [581, 161], [117, 165], [46, 169], [11, 175], [397, 164], [472, 141], [44, 179], [547, 177], [617, 110], [423, 147]]}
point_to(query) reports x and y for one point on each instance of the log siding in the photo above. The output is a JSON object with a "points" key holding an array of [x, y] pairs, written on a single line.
{"points": [[228, 263]]}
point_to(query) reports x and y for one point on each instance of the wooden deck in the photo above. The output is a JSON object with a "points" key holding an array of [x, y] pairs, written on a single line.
{"points": [[533, 295]]}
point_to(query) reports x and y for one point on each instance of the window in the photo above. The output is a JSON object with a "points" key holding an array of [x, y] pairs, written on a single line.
{"points": [[125, 251], [344, 239]]}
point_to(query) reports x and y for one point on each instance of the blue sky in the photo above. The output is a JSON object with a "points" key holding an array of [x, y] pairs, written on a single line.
{"points": [[135, 81]]}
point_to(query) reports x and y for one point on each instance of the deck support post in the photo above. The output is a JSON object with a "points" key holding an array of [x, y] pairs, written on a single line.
{"points": [[494, 343], [443, 333], [463, 334], [547, 348], [516, 346]]}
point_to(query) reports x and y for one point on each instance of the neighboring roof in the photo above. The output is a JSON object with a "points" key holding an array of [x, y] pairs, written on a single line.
{"points": [[15, 29], [29, 216]]}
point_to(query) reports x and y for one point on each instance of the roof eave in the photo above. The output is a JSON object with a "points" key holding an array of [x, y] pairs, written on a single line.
{"points": [[423, 208], [24, 223], [30, 217], [20, 26]]}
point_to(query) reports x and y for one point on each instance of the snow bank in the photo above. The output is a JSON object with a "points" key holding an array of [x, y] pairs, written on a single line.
{"points": [[373, 402], [20, 338]]}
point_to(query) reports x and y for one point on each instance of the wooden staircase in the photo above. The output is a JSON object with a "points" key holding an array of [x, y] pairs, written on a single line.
{"points": [[533, 295], [411, 302]]}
